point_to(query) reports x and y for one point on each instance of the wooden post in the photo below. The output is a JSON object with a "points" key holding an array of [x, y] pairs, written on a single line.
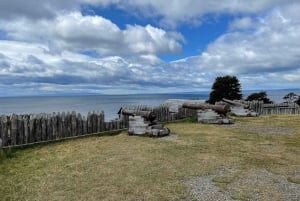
{"points": [[73, 124], [89, 123], [38, 126], [84, 125], [31, 129], [59, 126], [94, 122], [44, 127], [69, 124], [4, 130], [14, 129], [26, 129], [79, 125], [20, 139], [63, 125]]}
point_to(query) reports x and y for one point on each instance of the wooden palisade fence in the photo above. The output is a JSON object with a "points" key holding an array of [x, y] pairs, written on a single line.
{"points": [[27, 129], [274, 109], [16, 130]]}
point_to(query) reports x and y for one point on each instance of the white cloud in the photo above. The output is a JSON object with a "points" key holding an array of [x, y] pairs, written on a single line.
{"points": [[265, 54], [189, 11], [30, 63], [169, 13], [76, 32], [242, 23], [35, 9], [152, 40]]}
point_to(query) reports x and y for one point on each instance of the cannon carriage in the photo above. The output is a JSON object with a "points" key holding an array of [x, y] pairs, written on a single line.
{"points": [[211, 114], [143, 123]]}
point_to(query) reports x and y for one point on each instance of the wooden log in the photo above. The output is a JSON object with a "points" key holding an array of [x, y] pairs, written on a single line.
{"points": [[49, 127], [14, 129], [38, 126], [73, 124], [20, 139], [79, 124], [94, 122], [4, 131], [89, 123], [63, 125], [26, 128], [44, 127], [31, 129], [59, 126], [102, 121], [84, 125], [99, 122], [55, 126], [68, 124]]}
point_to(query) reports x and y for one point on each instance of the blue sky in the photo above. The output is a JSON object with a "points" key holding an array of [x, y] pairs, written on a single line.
{"points": [[149, 46]]}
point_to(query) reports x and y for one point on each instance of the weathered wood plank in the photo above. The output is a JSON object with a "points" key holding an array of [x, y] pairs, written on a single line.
{"points": [[38, 126], [14, 129], [26, 128], [4, 131], [73, 124], [20, 137], [44, 127]]}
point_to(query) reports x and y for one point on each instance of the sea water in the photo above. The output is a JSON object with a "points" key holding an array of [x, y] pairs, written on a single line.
{"points": [[110, 104]]}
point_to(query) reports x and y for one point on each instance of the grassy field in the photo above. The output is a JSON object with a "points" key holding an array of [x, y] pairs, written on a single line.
{"points": [[126, 167]]}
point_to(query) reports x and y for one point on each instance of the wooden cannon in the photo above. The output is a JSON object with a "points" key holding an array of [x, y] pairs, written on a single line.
{"points": [[143, 123], [211, 114]]}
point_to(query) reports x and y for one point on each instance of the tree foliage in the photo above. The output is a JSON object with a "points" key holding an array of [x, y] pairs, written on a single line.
{"points": [[260, 96], [225, 87], [298, 101], [290, 97]]}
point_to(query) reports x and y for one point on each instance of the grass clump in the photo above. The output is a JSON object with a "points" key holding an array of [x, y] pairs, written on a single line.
{"points": [[241, 194], [222, 179], [294, 180]]}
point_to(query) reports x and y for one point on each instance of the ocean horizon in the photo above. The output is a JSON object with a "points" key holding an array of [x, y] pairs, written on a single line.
{"points": [[110, 104]]}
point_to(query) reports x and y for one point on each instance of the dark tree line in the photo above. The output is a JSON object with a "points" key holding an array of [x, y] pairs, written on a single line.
{"points": [[229, 87]]}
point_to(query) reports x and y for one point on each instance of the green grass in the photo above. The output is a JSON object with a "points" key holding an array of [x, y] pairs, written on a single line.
{"points": [[126, 167], [294, 180]]}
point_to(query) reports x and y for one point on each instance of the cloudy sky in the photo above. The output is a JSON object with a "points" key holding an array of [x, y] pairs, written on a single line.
{"points": [[146, 46]]}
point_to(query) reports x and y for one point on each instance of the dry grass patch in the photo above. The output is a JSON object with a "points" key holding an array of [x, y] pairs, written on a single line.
{"points": [[138, 168]]}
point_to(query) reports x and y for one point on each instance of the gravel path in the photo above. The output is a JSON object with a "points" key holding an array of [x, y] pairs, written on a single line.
{"points": [[203, 189], [259, 185]]}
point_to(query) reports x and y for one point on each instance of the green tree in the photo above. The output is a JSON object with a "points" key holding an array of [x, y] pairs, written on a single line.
{"points": [[261, 96], [290, 97], [228, 87], [298, 101]]}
